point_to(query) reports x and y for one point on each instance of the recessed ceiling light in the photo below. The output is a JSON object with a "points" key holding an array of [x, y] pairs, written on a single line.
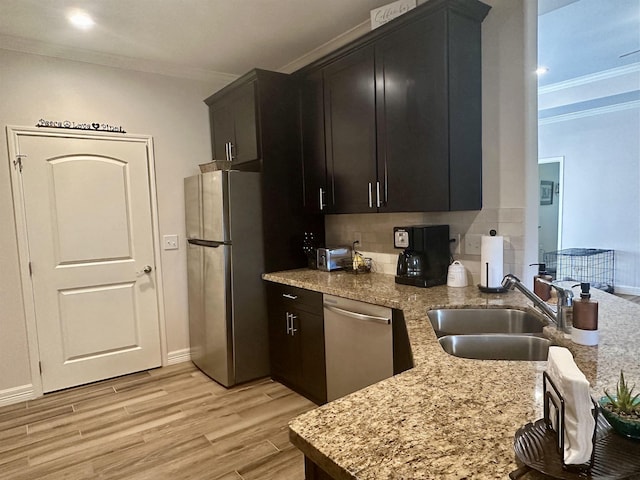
{"points": [[541, 71], [80, 19]]}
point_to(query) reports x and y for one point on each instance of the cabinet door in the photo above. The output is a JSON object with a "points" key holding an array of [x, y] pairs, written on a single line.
{"points": [[283, 347], [350, 129], [412, 117], [317, 198], [221, 120], [313, 378], [245, 143], [233, 125]]}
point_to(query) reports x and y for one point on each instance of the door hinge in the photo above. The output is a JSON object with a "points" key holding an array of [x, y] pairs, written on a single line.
{"points": [[30, 270], [40, 367], [17, 163]]}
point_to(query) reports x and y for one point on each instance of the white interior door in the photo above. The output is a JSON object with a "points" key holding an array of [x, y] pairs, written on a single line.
{"points": [[87, 212]]}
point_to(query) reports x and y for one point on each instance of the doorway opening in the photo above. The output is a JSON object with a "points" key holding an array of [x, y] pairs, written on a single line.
{"points": [[550, 175]]}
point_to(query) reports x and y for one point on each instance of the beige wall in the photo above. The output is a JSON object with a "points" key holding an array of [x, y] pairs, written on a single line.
{"points": [[171, 110], [509, 153]]}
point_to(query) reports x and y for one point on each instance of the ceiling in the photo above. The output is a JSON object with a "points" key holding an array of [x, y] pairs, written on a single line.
{"points": [[193, 38], [592, 51], [221, 39], [578, 38]]}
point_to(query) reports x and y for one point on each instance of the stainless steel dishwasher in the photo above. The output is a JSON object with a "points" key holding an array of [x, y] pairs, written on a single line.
{"points": [[358, 344]]}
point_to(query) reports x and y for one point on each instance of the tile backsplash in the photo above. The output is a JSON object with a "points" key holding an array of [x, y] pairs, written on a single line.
{"points": [[374, 231]]}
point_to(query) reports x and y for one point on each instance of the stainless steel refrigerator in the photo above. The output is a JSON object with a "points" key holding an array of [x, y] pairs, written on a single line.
{"points": [[225, 261]]}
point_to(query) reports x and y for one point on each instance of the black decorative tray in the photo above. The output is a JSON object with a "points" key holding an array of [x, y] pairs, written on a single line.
{"points": [[616, 457], [540, 445]]}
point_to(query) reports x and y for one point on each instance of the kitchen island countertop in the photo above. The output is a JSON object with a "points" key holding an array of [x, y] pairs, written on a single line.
{"points": [[447, 417]]}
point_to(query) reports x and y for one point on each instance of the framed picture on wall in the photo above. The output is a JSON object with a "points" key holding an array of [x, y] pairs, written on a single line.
{"points": [[546, 192]]}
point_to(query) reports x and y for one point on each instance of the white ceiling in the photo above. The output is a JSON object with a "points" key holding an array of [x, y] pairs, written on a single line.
{"points": [[193, 38], [217, 40], [592, 51], [578, 38]]}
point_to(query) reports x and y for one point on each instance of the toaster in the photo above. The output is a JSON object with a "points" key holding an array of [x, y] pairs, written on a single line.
{"points": [[330, 258]]}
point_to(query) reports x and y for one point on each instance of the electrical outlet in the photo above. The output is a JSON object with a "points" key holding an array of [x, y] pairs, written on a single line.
{"points": [[457, 248], [400, 238], [472, 243], [170, 242]]}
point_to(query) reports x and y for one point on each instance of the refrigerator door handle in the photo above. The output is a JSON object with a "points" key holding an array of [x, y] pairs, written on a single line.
{"points": [[206, 243]]}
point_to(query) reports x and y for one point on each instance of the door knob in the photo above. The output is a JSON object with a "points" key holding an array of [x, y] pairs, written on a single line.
{"points": [[145, 269]]}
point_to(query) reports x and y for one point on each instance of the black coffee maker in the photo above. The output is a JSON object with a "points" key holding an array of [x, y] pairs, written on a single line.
{"points": [[425, 260]]}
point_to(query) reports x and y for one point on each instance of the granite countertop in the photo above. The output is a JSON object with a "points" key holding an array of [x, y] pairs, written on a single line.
{"points": [[447, 417]]}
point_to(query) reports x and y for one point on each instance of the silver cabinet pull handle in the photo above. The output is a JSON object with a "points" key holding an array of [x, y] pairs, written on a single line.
{"points": [[231, 157], [289, 296], [293, 325], [322, 204], [288, 323], [226, 150], [378, 202], [370, 199], [358, 316]]}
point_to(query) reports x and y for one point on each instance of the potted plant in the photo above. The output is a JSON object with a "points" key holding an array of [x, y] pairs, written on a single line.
{"points": [[622, 410]]}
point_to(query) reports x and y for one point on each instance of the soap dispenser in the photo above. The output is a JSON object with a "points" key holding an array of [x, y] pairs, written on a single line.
{"points": [[585, 318], [542, 290]]}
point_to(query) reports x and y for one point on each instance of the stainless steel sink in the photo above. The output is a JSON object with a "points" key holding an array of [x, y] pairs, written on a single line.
{"points": [[496, 347], [465, 321]]}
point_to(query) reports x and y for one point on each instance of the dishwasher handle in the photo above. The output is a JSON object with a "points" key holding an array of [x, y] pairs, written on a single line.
{"points": [[358, 316]]}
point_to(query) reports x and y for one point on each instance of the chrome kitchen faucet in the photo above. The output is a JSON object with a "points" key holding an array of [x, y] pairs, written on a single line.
{"points": [[565, 299]]}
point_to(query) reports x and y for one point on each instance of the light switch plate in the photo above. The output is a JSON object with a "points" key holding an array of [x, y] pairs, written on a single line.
{"points": [[472, 244], [170, 242]]}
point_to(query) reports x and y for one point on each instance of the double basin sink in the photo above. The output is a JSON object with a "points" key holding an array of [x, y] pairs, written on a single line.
{"points": [[490, 333]]}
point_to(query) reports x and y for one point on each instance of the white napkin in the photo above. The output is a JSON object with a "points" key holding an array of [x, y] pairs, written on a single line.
{"points": [[578, 421]]}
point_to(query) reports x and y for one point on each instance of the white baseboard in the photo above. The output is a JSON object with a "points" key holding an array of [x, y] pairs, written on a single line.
{"points": [[16, 395], [179, 356], [627, 290]]}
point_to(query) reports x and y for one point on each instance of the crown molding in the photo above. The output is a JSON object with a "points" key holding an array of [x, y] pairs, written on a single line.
{"points": [[23, 45], [591, 78], [328, 47], [589, 113], [606, 83]]}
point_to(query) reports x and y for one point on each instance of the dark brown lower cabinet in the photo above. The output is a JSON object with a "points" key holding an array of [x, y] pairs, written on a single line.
{"points": [[296, 340], [314, 472]]}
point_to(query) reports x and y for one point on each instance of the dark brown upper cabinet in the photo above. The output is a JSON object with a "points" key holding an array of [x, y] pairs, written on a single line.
{"points": [[233, 125], [350, 132], [399, 111], [258, 114], [311, 100]]}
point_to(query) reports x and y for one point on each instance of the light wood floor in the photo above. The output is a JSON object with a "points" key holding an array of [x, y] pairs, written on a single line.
{"points": [[169, 423]]}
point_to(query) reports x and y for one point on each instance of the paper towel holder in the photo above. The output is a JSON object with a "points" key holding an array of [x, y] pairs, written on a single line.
{"points": [[487, 289], [484, 289]]}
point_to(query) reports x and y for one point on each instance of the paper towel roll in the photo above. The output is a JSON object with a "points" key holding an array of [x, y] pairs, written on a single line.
{"points": [[491, 261]]}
